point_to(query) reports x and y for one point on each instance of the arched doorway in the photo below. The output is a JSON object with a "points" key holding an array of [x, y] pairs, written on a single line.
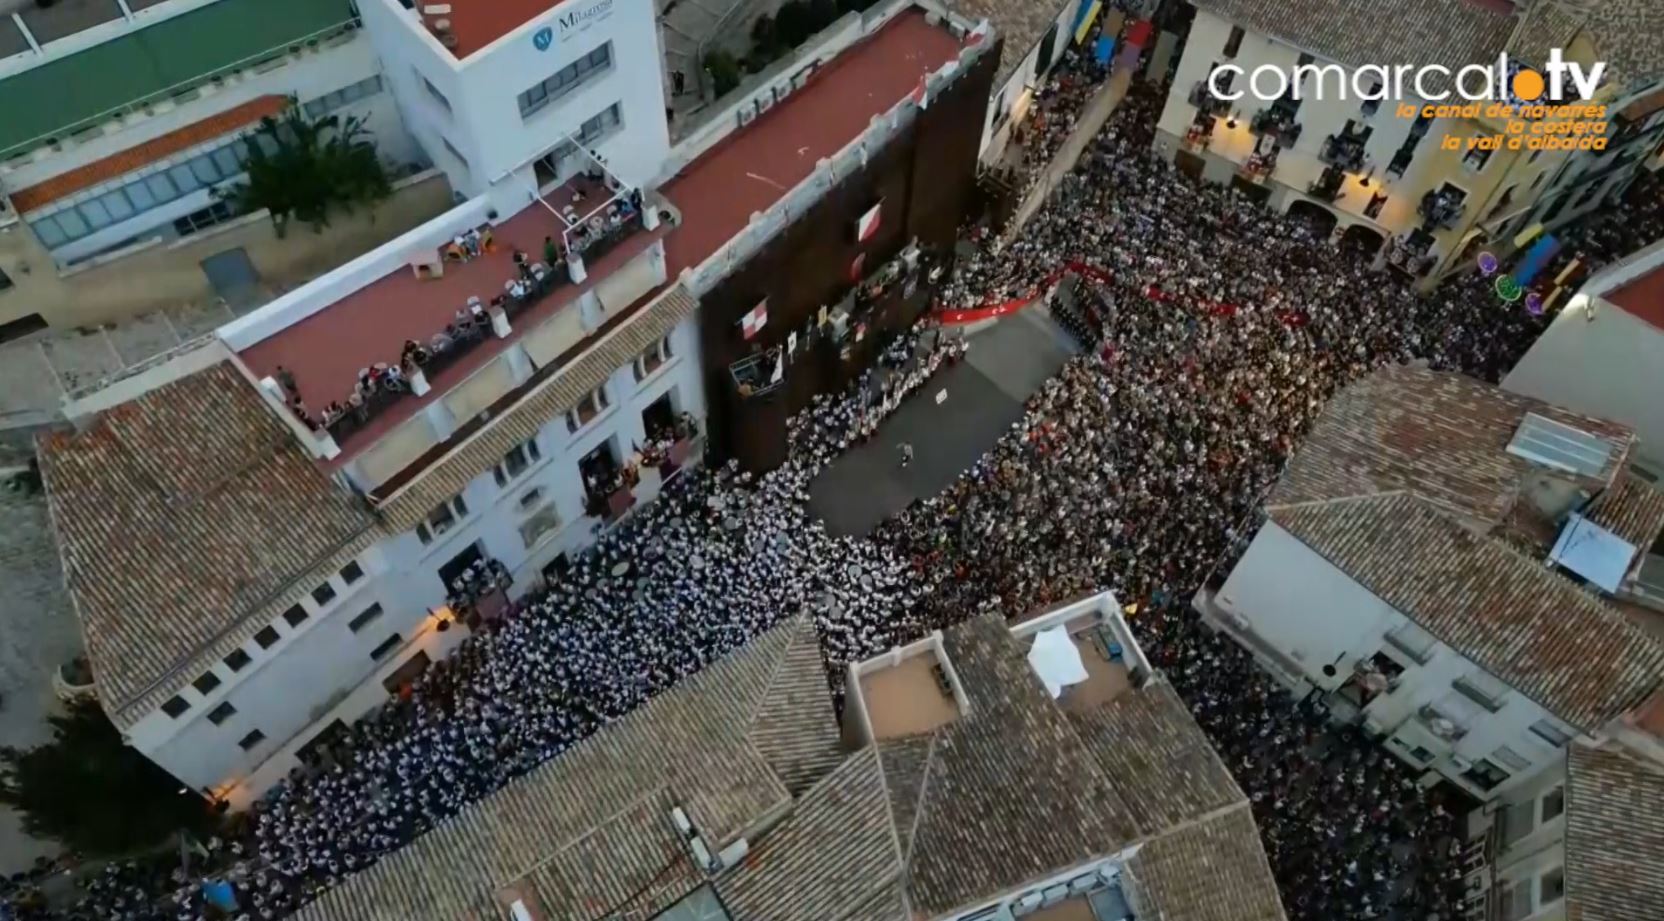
{"points": [[1321, 220], [1361, 239]]}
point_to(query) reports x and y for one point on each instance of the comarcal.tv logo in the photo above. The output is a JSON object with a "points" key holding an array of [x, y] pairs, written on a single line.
{"points": [[1551, 109]]}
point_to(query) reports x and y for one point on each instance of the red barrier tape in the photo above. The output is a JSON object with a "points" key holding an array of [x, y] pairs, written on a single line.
{"points": [[989, 311]]}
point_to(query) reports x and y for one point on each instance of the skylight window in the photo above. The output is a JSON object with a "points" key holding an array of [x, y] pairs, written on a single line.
{"points": [[1544, 441]]}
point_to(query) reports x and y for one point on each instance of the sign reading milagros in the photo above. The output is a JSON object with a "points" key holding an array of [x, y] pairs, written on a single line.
{"points": [[1503, 90]]}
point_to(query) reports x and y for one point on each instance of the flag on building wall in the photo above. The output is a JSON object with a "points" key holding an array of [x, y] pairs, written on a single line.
{"points": [[753, 322], [1535, 260], [1089, 10], [867, 226], [857, 267]]}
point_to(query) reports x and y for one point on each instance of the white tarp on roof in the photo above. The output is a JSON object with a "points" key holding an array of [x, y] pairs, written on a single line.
{"points": [[1056, 660], [1593, 552]]}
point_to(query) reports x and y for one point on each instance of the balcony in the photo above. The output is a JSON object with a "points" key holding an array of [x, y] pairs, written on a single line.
{"points": [[1200, 133], [1439, 725], [1329, 186], [1412, 253], [1439, 208], [1278, 124], [1259, 166], [479, 591], [1343, 151], [1205, 102]]}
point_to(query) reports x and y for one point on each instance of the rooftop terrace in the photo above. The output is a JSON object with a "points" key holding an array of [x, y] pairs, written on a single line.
{"points": [[756, 166], [716, 194], [1642, 298], [474, 24], [325, 351]]}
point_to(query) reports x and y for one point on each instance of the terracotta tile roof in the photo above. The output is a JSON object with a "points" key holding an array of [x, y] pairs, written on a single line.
{"points": [[590, 831], [1633, 509], [1557, 644], [188, 519], [1157, 758], [1017, 789], [1005, 795], [154, 150], [549, 400], [1627, 34], [1447, 32], [1442, 436], [1614, 836], [1211, 870], [1020, 22]]}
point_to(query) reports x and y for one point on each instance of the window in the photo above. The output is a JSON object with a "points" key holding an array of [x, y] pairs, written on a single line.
{"points": [[451, 149], [1475, 159], [1233, 44], [237, 660], [1482, 689], [1421, 754], [1554, 804], [1502, 203], [323, 594], [565, 80], [252, 739], [1516, 900], [197, 221], [1485, 775], [267, 638], [601, 125], [1518, 821], [5, 280], [516, 461], [1509, 759], [221, 713], [351, 572], [295, 616], [653, 359], [1550, 733], [592, 405], [346, 95], [175, 706], [387, 646], [434, 92], [1412, 641], [442, 519], [206, 682], [1551, 887], [1371, 106], [364, 619]]}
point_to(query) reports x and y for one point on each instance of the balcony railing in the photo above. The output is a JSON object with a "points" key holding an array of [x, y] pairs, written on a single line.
{"points": [[1205, 102], [1342, 151], [1440, 210], [450, 345], [1328, 187], [1440, 725], [483, 578], [1276, 123], [598, 245], [1409, 258], [1258, 166]]}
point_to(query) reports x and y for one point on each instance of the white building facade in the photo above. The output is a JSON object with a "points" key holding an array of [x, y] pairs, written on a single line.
{"points": [[1364, 171], [1417, 571]]}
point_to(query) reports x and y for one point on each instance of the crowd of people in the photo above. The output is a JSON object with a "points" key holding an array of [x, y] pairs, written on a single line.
{"points": [[1211, 338]]}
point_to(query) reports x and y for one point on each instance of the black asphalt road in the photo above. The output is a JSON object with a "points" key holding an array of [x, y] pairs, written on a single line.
{"points": [[985, 395]]}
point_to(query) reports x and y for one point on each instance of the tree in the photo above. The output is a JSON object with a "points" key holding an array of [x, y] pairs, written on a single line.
{"points": [[303, 170], [724, 71], [91, 791]]}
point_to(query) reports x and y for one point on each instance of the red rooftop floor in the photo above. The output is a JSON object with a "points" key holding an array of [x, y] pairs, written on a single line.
{"points": [[1643, 298], [477, 23], [753, 168], [326, 350], [716, 194]]}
